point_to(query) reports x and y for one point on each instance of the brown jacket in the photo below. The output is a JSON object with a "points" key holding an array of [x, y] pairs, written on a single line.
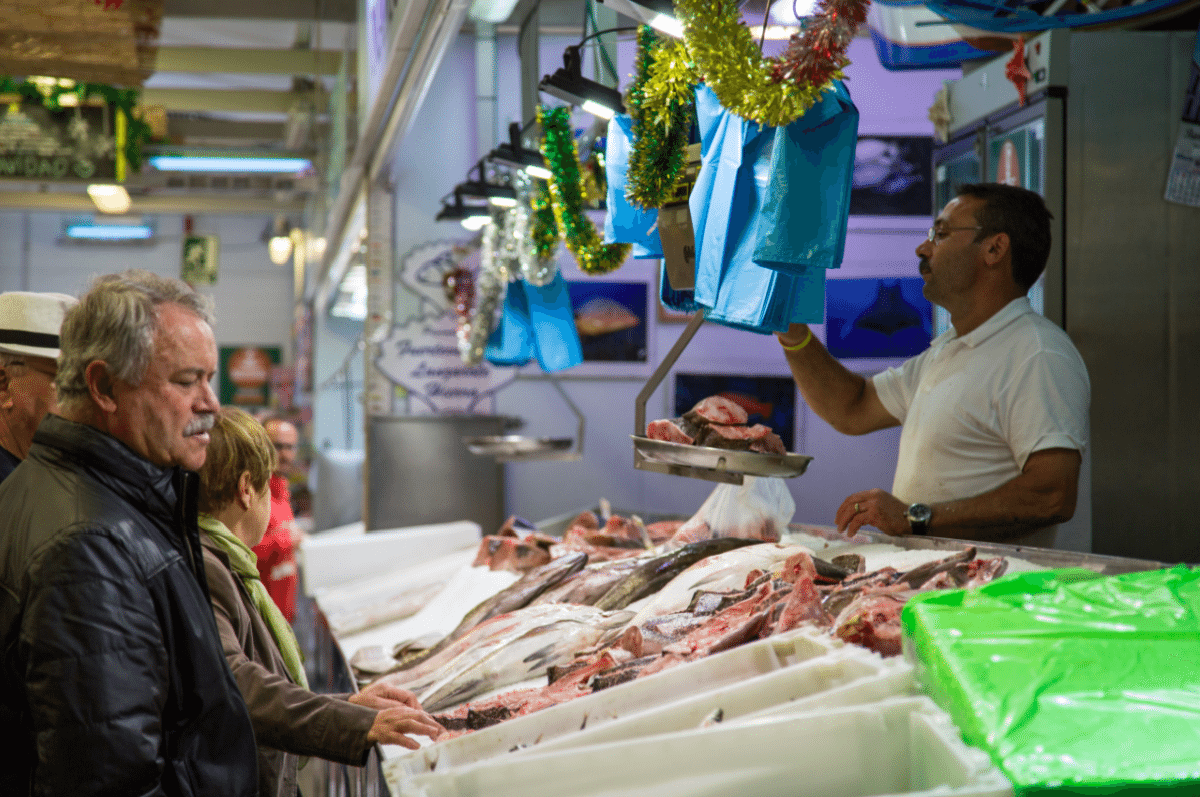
{"points": [[289, 721]]}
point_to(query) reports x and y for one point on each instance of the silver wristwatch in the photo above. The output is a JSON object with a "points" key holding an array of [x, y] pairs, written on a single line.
{"points": [[918, 516]]}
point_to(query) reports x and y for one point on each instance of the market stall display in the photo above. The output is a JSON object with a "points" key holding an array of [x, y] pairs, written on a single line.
{"points": [[761, 635]]}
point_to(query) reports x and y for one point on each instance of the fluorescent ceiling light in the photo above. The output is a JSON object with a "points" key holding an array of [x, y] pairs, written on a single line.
{"points": [[110, 232], [540, 172], [667, 25], [205, 163], [596, 109], [476, 223], [110, 198], [659, 14], [503, 201]]}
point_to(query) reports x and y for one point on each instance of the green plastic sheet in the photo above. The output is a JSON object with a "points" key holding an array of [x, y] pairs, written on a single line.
{"points": [[1074, 683]]}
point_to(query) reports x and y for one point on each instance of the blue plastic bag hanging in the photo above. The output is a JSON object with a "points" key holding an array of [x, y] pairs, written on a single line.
{"points": [[807, 204], [511, 342], [735, 172], [625, 223], [556, 340], [681, 301]]}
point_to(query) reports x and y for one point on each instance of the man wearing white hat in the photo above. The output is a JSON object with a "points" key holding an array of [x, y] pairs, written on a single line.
{"points": [[29, 326]]}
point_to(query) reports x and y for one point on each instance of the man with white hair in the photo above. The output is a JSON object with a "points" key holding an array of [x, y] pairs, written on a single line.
{"points": [[29, 325], [113, 678]]}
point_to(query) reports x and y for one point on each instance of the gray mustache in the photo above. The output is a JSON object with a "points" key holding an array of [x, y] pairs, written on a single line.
{"points": [[202, 424]]}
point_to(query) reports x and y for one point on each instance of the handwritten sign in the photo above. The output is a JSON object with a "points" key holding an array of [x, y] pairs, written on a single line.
{"points": [[422, 356]]}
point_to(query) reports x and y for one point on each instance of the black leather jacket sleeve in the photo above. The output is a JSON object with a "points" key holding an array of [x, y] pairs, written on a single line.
{"points": [[97, 672]]}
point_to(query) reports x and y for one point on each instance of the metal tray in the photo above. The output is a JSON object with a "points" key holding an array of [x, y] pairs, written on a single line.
{"points": [[514, 448], [746, 463]]}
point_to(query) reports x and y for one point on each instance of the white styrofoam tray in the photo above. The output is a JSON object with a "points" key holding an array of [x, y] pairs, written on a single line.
{"points": [[706, 674], [897, 746], [849, 676], [338, 559]]}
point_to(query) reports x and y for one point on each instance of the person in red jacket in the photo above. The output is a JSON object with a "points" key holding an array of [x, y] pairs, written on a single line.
{"points": [[277, 552]]}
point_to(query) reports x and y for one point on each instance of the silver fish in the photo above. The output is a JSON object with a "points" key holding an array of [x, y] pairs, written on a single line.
{"points": [[521, 593], [534, 643]]}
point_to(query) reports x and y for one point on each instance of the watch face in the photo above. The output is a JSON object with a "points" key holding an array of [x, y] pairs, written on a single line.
{"points": [[919, 513]]}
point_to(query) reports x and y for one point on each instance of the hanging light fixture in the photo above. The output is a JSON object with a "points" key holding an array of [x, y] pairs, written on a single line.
{"points": [[513, 153], [658, 14], [570, 86], [473, 217], [279, 246], [110, 198], [502, 196]]}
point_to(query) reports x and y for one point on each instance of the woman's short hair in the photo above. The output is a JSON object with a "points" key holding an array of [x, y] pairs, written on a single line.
{"points": [[115, 322], [237, 444]]}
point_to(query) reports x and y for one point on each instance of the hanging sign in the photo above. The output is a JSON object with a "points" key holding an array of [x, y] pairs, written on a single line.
{"points": [[422, 357], [64, 144], [420, 352], [199, 259], [246, 374], [1183, 182]]}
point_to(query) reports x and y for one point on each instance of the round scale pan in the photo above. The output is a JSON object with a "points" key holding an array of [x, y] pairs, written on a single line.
{"points": [[748, 463], [516, 448]]}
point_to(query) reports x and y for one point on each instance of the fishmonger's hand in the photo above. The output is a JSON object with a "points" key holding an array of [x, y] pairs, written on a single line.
{"points": [[876, 508]]}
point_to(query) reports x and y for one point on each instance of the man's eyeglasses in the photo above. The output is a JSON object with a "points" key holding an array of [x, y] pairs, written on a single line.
{"points": [[939, 234]]}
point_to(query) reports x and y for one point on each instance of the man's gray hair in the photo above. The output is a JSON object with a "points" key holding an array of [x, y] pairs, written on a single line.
{"points": [[115, 322]]}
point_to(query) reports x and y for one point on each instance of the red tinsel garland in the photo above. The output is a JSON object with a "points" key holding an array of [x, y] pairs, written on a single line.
{"points": [[814, 56], [1016, 71]]}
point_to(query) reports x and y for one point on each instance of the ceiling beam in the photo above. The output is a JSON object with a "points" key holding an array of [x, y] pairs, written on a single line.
{"points": [[145, 205], [227, 100], [185, 128], [291, 10], [248, 61]]}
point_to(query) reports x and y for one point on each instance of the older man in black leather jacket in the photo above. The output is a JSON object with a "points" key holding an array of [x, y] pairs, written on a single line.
{"points": [[113, 679]]}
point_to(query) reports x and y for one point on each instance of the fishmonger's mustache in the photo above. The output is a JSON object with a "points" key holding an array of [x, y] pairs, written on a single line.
{"points": [[202, 424]]}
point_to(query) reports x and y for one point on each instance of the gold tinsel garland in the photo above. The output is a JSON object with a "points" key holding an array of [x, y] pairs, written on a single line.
{"points": [[657, 153], [566, 194], [772, 92]]}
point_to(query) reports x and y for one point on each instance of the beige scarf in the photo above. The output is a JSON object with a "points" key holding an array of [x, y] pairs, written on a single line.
{"points": [[245, 566]]}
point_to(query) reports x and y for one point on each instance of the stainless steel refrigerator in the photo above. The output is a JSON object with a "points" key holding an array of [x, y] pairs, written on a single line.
{"points": [[1095, 139]]}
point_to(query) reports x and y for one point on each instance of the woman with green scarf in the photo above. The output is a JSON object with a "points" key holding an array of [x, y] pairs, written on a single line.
{"points": [[289, 721]]}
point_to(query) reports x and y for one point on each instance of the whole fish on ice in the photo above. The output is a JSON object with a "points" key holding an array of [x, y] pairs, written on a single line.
{"points": [[509, 649]]}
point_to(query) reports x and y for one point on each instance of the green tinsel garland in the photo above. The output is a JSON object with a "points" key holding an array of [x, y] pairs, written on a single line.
{"points": [[734, 68], [672, 80], [566, 193], [657, 156], [545, 230], [125, 100]]}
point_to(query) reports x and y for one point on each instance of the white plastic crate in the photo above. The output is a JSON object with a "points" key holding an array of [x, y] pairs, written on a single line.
{"points": [[900, 746], [712, 672], [849, 676]]}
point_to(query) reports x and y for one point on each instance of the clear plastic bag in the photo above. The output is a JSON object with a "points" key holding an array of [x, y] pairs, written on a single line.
{"points": [[758, 509]]}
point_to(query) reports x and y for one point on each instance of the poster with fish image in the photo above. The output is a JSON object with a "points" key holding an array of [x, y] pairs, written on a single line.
{"points": [[891, 176], [877, 318], [769, 400], [611, 320]]}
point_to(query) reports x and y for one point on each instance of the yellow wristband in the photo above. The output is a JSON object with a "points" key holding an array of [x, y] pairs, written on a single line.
{"points": [[799, 345]]}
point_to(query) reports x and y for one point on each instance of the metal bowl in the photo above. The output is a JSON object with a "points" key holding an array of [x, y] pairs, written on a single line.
{"points": [[746, 463], [515, 448]]}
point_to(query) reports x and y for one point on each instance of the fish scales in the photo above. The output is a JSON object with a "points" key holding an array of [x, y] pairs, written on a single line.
{"points": [[625, 591]]}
